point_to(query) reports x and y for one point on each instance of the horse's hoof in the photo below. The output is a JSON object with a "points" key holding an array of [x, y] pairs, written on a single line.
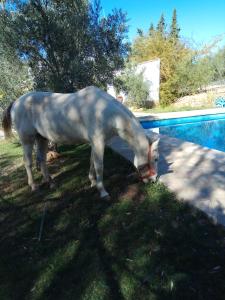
{"points": [[93, 184], [52, 185], [34, 187], [105, 197]]}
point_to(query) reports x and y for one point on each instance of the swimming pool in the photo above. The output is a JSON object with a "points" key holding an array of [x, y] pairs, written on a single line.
{"points": [[206, 130]]}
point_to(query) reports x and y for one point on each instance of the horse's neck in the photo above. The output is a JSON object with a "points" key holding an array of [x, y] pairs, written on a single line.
{"points": [[140, 147], [135, 136]]}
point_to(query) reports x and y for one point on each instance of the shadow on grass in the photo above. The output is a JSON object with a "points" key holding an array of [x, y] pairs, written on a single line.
{"points": [[142, 244]]}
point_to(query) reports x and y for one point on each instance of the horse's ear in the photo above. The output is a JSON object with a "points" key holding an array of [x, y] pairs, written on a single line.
{"points": [[155, 144]]}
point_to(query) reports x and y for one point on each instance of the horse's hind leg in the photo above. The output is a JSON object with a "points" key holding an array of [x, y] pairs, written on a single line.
{"points": [[27, 156], [42, 148]]}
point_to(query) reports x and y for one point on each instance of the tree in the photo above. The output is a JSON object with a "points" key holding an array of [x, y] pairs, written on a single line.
{"points": [[161, 27], [2, 3], [156, 46], [174, 29], [66, 43], [140, 32], [151, 29], [193, 73], [183, 71], [218, 62], [15, 77]]}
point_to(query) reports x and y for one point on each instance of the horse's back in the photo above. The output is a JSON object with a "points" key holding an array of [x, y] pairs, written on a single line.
{"points": [[90, 99], [70, 117]]}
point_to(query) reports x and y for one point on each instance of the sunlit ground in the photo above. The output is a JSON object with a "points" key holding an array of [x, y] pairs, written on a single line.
{"points": [[142, 244]]}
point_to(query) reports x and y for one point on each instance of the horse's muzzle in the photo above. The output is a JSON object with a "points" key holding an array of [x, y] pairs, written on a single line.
{"points": [[150, 179]]}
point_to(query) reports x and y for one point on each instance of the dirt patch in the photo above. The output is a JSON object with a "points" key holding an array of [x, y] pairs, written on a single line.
{"points": [[134, 192]]}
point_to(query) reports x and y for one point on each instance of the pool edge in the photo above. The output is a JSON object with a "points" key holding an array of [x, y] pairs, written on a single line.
{"points": [[179, 114]]}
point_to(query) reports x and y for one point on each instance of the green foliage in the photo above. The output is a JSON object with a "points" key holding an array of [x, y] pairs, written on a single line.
{"points": [[15, 78], [170, 53], [192, 75], [67, 44], [183, 71], [161, 27], [133, 85], [140, 32], [174, 31], [218, 62], [151, 29]]}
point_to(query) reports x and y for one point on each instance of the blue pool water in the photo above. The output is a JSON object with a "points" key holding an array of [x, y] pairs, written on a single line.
{"points": [[207, 130]]}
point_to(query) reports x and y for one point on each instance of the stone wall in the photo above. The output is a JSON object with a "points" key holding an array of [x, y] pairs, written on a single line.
{"points": [[201, 99]]}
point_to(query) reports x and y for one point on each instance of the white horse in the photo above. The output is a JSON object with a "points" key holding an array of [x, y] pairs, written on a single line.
{"points": [[90, 115]]}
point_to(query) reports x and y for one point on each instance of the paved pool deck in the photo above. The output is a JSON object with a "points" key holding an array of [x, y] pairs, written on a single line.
{"points": [[195, 174]]}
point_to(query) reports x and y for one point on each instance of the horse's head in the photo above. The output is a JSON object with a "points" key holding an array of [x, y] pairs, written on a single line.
{"points": [[149, 171]]}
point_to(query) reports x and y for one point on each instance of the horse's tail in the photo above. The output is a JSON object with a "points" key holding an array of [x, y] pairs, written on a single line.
{"points": [[7, 121]]}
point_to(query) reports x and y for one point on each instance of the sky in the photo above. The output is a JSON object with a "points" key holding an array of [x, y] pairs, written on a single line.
{"points": [[200, 21]]}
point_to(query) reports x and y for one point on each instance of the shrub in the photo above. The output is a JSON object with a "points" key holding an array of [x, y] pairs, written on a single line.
{"points": [[133, 85]]}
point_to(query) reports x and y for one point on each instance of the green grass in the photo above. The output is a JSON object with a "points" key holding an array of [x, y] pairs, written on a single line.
{"points": [[142, 244]]}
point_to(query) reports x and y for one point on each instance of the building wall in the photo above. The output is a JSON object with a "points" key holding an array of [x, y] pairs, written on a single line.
{"points": [[151, 73]]}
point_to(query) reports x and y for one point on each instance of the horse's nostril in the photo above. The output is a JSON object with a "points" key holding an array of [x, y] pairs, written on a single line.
{"points": [[154, 178], [145, 180]]}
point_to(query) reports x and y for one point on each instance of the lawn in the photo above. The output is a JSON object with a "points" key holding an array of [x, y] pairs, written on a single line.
{"points": [[142, 244], [170, 108]]}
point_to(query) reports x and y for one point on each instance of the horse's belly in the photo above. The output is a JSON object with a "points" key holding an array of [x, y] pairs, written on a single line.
{"points": [[62, 134], [67, 139]]}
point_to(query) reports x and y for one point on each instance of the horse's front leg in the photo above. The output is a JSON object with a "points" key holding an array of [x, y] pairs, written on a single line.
{"points": [[97, 156], [92, 175]]}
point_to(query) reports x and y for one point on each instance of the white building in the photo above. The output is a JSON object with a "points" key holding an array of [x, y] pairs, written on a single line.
{"points": [[151, 74]]}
